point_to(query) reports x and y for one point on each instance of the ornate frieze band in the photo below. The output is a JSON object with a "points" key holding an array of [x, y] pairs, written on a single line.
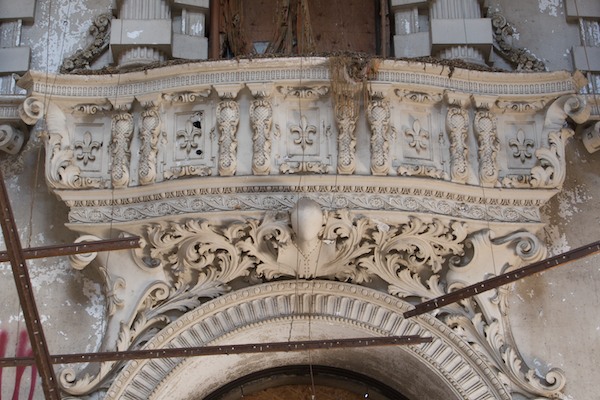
{"points": [[473, 205], [313, 69]]}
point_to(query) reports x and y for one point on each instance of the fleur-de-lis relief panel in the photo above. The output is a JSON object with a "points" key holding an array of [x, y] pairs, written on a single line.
{"points": [[521, 146], [418, 138], [86, 148], [186, 137], [303, 132]]}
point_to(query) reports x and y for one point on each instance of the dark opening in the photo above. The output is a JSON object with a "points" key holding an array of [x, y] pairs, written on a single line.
{"points": [[301, 375]]}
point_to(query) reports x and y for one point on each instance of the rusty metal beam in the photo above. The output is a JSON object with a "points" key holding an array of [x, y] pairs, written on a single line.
{"points": [[26, 298], [504, 279], [272, 347], [76, 248], [214, 46]]}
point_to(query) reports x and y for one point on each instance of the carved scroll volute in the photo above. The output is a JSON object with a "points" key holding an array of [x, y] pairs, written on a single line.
{"points": [[378, 115], [487, 137], [149, 134], [261, 119], [457, 126], [551, 169], [121, 130], [61, 171], [228, 118]]}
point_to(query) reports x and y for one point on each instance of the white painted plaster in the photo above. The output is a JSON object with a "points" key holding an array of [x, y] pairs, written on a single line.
{"points": [[134, 34]]}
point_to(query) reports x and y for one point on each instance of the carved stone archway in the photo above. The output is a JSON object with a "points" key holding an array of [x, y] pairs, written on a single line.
{"points": [[277, 311]]}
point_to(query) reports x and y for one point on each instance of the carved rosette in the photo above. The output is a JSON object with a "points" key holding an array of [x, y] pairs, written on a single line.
{"points": [[149, 133], [457, 122], [122, 130], [485, 126], [346, 117], [261, 118], [228, 118], [378, 115]]}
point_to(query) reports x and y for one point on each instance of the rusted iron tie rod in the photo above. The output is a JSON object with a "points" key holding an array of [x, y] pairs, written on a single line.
{"points": [[272, 347], [77, 248], [503, 279]]}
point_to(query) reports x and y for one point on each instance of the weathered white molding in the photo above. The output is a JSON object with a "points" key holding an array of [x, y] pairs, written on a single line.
{"points": [[248, 194], [204, 156], [414, 74]]}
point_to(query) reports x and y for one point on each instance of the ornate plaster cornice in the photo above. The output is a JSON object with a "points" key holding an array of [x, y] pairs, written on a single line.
{"points": [[189, 121], [314, 69]]}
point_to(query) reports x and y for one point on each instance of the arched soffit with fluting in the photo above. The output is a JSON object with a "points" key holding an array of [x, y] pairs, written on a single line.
{"points": [[297, 310]]}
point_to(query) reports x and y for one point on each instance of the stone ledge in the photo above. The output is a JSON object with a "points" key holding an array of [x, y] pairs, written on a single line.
{"points": [[472, 32], [17, 9], [412, 45], [128, 33], [190, 47], [586, 58], [14, 59], [583, 9]]}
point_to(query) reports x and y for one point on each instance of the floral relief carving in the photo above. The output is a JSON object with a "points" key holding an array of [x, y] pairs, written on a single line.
{"points": [[92, 109], [378, 116], [186, 96], [520, 58], [87, 147], [303, 132], [419, 97], [187, 170], [457, 125], [100, 30], [422, 170], [303, 92], [149, 132], [521, 106], [521, 146], [300, 167], [485, 126], [122, 130], [187, 136], [419, 137], [261, 118], [228, 118]]}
